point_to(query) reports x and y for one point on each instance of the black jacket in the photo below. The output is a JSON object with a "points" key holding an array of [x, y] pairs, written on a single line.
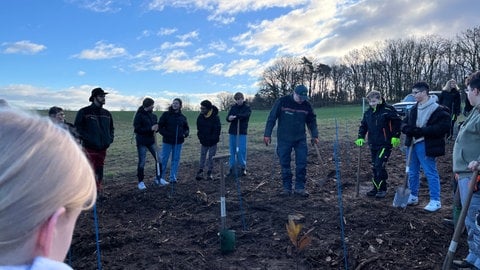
{"points": [[95, 127], [243, 115], [434, 131], [381, 125], [142, 126], [208, 128], [451, 99], [173, 126]]}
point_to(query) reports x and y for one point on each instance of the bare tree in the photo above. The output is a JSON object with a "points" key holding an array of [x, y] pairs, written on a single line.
{"points": [[225, 100]]}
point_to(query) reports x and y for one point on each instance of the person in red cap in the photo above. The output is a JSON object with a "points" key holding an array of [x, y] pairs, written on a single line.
{"points": [[95, 127]]}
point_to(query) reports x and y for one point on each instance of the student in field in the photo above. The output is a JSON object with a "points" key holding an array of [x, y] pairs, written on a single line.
{"points": [[450, 98], [238, 117], [145, 126], [57, 116], [382, 124], [466, 158], [208, 133], [173, 127], [293, 113], [46, 181], [95, 126], [425, 127]]}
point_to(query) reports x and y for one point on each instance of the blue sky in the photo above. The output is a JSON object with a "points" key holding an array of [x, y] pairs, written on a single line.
{"points": [[55, 52]]}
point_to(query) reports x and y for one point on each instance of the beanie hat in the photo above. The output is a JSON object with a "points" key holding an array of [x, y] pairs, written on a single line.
{"points": [[147, 102], [207, 104]]}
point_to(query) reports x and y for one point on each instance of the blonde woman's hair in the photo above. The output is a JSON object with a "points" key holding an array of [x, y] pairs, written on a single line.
{"points": [[447, 86], [374, 94], [41, 169]]}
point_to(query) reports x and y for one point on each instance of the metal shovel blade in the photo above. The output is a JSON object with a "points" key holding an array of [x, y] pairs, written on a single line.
{"points": [[401, 197]]}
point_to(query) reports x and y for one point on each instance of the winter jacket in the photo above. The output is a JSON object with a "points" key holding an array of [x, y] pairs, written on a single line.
{"points": [[452, 100], [467, 144], [434, 131], [173, 126], [292, 118], [381, 124], [208, 128], [243, 115], [39, 263], [95, 126], [142, 126]]}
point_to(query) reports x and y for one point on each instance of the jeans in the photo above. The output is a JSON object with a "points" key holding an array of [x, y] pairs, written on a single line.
{"points": [[284, 151], [175, 151], [473, 238], [429, 167], [242, 150], [142, 158], [211, 150]]}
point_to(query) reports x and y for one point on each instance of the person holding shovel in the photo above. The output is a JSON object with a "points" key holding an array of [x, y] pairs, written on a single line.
{"points": [[382, 123], [238, 117], [425, 127], [208, 133], [293, 113], [466, 158], [145, 126]]}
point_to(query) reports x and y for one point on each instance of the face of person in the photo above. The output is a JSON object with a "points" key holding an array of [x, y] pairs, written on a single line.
{"points": [[373, 101], [203, 110], [239, 101], [149, 108], [452, 84], [63, 234], [58, 118], [176, 105], [472, 94], [100, 99], [420, 96], [298, 98]]}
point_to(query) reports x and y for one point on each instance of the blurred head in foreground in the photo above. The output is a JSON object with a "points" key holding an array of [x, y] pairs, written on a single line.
{"points": [[45, 182]]}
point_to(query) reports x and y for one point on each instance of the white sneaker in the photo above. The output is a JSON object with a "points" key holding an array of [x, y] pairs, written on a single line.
{"points": [[163, 182], [141, 185], [412, 200], [433, 206]]}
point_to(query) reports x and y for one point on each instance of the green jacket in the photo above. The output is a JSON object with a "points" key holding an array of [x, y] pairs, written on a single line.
{"points": [[467, 144]]}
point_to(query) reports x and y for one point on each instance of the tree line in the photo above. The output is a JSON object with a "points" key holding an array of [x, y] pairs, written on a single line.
{"points": [[390, 66]]}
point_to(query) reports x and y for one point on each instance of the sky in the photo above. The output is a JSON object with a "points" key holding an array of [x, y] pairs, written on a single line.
{"points": [[54, 52]]}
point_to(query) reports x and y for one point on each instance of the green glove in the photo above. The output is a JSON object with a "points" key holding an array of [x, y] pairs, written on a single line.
{"points": [[359, 142], [395, 142]]}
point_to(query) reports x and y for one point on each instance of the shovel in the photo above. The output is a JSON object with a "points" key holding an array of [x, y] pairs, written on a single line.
{"points": [[460, 223], [403, 192]]}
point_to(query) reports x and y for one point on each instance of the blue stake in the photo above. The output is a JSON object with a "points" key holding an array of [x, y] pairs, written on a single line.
{"points": [[99, 257]]}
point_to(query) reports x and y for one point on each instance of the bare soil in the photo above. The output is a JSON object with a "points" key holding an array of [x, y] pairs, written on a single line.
{"points": [[178, 227]]}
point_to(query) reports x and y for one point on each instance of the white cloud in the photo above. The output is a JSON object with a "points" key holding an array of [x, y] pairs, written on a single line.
{"points": [[22, 47], [81, 73], [235, 68], [102, 51], [191, 35], [170, 45], [166, 31], [101, 5], [175, 61]]}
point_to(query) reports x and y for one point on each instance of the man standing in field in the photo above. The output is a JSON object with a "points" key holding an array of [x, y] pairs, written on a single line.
{"points": [[95, 127], [466, 158], [293, 113]]}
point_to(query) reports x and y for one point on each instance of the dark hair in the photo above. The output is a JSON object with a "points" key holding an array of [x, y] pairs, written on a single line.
{"points": [[238, 95], [179, 101], [207, 104], [474, 80], [147, 102], [54, 110], [421, 86]]}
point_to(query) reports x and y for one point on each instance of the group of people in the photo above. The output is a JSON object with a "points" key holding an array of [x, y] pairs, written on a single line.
{"points": [[426, 127]]}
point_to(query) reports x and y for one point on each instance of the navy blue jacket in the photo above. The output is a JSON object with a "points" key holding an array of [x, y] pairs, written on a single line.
{"points": [[173, 126], [381, 125], [95, 126], [243, 115], [208, 128], [142, 126]]}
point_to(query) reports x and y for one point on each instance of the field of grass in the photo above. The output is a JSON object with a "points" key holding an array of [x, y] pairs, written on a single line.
{"points": [[122, 155]]}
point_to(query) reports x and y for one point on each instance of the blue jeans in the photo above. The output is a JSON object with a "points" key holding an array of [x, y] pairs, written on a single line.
{"points": [[175, 151], [284, 151], [142, 158], [242, 150], [429, 167], [473, 238]]}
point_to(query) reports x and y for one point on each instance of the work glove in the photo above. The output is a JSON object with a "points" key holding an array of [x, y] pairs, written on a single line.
{"points": [[417, 132], [359, 142], [267, 140], [395, 142], [315, 141]]}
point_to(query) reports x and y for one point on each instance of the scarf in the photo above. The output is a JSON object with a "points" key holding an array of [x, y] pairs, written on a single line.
{"points": [[424, 111]]}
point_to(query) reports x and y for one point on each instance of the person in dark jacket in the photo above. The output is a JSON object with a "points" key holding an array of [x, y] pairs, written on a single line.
{"points": [[450, 98], [173, 127], [95, 127], [238, 117], [145, 126], [293, 113], [57, 115], [425, 127], [208, 133], [382, 123]]}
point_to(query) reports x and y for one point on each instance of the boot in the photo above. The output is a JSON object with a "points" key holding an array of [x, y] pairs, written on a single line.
{"points": [[199, 175], [372, 192], [209, 176]]}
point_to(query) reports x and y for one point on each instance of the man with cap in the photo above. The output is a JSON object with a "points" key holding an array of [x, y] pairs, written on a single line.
{"points": [[293, 113], [95, 127]]}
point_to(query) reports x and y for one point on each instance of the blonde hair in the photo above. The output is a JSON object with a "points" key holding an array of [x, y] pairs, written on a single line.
{"points": [[41, 170], [447, 86], [374, 94]]}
